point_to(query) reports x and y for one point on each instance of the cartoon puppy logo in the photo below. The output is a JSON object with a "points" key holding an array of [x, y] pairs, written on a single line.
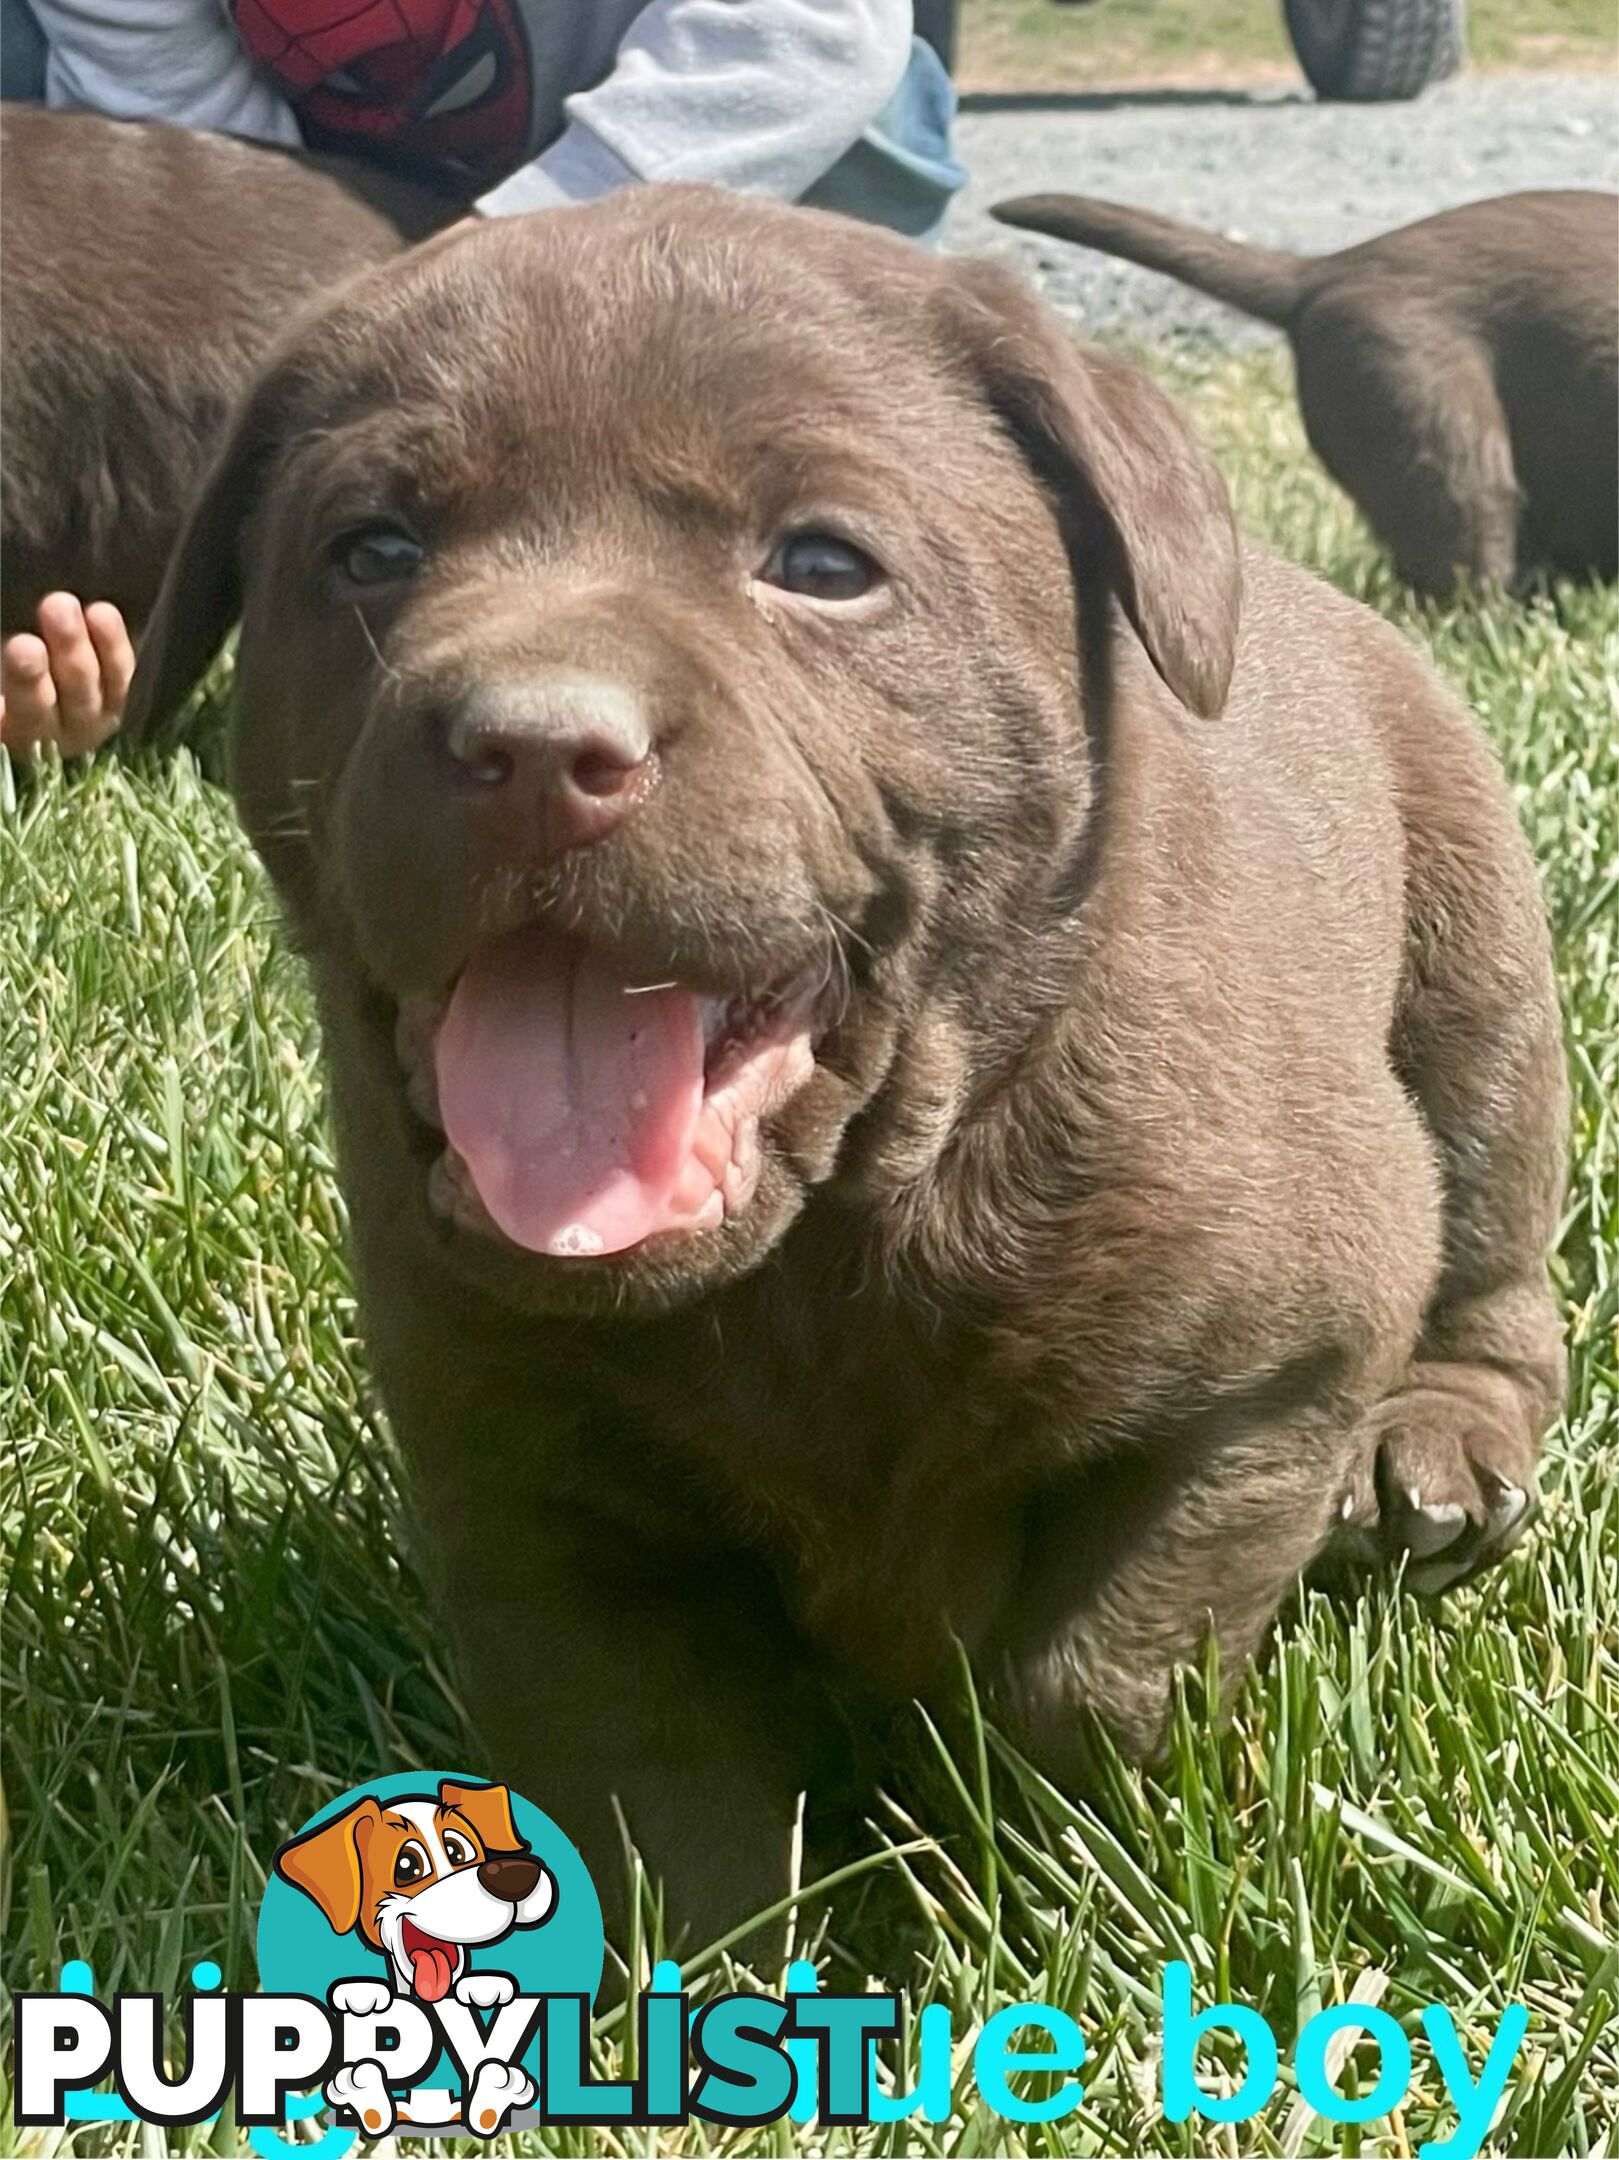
{"points": [[423, 1879]]}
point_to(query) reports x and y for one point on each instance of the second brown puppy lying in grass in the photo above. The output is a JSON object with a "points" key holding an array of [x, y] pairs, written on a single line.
{"points": [[146, 268], [1458, 377], [925, 1047]]}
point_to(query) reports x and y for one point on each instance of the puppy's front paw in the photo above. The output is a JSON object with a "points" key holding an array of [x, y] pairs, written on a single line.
{"points": [[485, 1990], [361, 1998], [1440, 1481], [496, 2090], [362, 2092]]}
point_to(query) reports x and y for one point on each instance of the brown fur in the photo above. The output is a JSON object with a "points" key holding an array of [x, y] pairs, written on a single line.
{"points": [[145, 271], [1191, 1126], [1459, 377]]}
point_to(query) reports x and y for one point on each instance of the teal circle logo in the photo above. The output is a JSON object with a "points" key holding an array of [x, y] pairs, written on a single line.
{"points": [[423, 1881]]}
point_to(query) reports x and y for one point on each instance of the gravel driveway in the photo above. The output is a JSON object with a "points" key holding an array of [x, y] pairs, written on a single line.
{"points": [[1266, 165]]}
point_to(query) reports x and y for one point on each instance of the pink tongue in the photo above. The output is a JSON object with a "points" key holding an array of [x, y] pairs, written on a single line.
{"points": [[572, 1099], [434, 1967]]}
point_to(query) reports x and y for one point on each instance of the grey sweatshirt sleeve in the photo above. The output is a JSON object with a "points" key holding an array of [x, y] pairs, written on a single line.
{"points": [[760, 95], [176, 60]]}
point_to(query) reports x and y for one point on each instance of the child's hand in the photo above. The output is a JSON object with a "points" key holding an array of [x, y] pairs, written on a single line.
{"points": [[67, 685]]}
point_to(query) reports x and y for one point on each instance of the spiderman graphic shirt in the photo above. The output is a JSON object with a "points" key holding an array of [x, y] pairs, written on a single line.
{"points": [[512, 106], [443, 87]]}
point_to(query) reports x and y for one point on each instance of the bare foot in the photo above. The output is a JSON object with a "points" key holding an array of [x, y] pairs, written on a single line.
{"points": [[66, 686]]}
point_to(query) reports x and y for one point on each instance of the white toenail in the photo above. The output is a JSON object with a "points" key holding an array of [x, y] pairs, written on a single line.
{"points": [[1346, 1507], [1507, 1527], [1510, 1506], [1434, 1528], [1413, 1499]]}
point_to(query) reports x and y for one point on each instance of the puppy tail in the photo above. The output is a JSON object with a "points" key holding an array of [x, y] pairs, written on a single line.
{"points": [[1261, 281]]}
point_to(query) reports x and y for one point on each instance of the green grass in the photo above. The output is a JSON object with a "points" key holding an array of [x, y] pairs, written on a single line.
{"points": [[1033, 45], [212, 1624]]}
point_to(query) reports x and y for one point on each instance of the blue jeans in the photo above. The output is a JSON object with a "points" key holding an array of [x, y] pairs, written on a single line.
{"points": [[22, 54], [902, 172]]}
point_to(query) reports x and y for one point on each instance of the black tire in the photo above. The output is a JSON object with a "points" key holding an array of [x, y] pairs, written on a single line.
{"points": [[1371, 50]]}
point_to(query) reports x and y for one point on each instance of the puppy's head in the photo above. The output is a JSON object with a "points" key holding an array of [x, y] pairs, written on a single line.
{"points": [[667, 636], [422, 1878]]}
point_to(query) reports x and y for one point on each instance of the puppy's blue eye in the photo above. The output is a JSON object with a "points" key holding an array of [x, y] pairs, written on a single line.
{"points": [[820, 566], [377, 555]]}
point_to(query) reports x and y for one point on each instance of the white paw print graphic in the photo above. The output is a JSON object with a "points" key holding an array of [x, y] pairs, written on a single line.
{"points": [[496, 2090], [361, 2090], [361, 1998], [485, 1990]]}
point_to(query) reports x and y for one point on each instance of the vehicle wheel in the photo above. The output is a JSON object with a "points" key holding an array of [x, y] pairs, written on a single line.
{"points": [[1369, 50]]}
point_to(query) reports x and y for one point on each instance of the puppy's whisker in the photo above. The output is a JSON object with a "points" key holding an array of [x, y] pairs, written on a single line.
{"points": [[846, 931], [392, 673]]}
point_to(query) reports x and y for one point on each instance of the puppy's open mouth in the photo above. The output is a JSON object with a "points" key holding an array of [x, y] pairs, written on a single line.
{"points": [[433, 1963], [586, 1114]]}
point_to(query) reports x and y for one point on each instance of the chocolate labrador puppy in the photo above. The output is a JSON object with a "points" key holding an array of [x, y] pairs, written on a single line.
{"points": [[1458, 377], [145, 271], [925, 1048]]}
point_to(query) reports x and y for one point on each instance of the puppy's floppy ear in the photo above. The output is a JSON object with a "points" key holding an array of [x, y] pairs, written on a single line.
{"points": [[489, 1810], [1130, 485], [201, 594], [325, 1863]]}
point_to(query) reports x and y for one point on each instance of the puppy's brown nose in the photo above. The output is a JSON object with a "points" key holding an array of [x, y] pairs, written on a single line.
{"points": [[565, 755], [509, 1876]]}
